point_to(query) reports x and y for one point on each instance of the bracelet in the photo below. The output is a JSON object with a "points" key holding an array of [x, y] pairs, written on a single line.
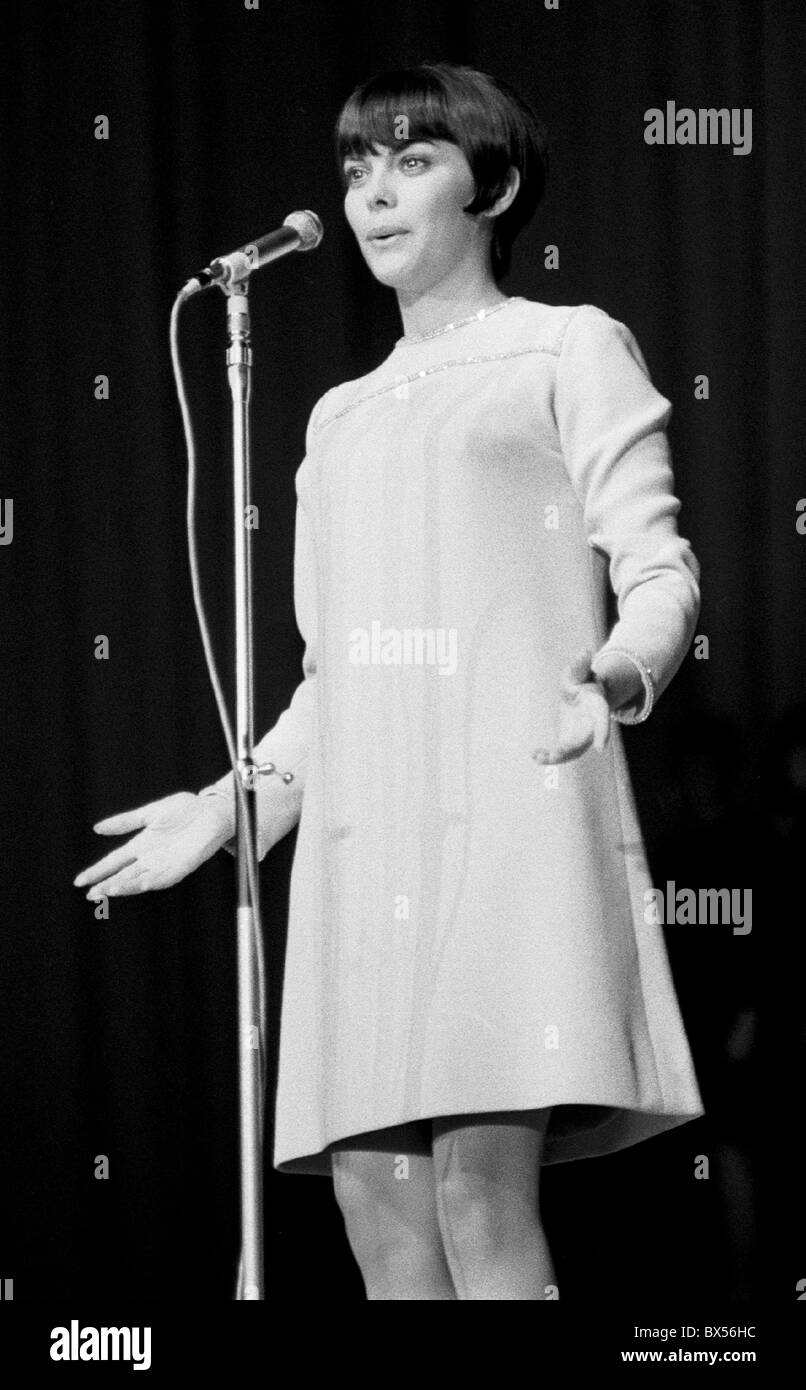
{"points": [[647, 680]]}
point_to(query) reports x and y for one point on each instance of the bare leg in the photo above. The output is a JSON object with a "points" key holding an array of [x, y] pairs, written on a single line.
{"points": [[487, 1171], [388, 1202]]}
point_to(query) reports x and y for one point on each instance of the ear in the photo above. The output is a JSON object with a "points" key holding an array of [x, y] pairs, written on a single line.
{"points": [[505, 199]]}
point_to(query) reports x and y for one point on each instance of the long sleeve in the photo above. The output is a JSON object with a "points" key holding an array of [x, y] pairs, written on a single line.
{"points": [[612, 427], [279, 801]]}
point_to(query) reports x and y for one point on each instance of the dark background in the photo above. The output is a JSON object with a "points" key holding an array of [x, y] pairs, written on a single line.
{"points": [[119, 1035]]}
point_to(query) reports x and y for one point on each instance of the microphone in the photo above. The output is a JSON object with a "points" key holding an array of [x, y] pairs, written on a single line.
{"points": [[301, 231]]}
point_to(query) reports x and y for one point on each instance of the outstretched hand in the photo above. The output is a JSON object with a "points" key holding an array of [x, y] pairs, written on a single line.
{"points": [[177, 834], [584, 714]]}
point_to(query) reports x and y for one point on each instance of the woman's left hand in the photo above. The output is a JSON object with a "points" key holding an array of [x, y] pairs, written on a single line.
{"points": [[584, 714]]}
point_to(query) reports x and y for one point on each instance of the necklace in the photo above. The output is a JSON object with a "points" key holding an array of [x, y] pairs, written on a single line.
{"points": [[471, 318]]}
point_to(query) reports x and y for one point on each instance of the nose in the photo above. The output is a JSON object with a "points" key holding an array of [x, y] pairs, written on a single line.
{"points": [[379, 188]]}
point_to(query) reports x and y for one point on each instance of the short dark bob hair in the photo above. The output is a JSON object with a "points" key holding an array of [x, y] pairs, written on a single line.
{"points": [[481, 114]]}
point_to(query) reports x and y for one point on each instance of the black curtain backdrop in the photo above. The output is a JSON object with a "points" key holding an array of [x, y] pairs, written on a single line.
{"points": [[119, 1034]]}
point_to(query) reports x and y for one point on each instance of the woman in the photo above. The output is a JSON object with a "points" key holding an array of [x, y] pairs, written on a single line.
{"points": [[472, 987]]}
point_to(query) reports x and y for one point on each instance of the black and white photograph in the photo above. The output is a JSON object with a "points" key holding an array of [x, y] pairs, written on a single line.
{"points": [[403, 628]]}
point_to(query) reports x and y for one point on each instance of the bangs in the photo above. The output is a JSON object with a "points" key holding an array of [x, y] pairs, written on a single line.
{"points": [[395, 109]]}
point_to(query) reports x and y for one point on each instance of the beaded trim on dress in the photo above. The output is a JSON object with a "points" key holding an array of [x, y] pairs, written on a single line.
{"points": [[478, 317]]}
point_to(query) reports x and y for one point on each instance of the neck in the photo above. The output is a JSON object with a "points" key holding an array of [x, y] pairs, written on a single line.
{"points": [[427, 310]]}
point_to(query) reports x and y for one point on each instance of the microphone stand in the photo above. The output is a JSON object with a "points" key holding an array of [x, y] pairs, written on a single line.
{"points": [[300, 231], [239, 374]]}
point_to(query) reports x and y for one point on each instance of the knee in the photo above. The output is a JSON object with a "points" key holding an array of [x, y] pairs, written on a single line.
{"points": [[361, 1193], [478, 1216], [354, 1188], [385, 1232]]}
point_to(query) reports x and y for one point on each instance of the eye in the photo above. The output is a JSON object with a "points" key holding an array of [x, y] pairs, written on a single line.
{"points": [[406, 159]]}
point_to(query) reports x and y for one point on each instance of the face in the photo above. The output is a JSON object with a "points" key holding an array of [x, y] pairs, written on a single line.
{"points": [[416, 192]]}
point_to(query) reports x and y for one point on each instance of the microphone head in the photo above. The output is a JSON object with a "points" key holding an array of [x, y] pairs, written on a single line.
{"points": [[309, 228]]}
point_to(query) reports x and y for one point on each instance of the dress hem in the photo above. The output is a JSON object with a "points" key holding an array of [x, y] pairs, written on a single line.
{"points": [[618, 1127]]}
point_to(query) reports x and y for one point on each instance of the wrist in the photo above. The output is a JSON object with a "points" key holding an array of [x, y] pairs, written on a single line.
{"points": [[222, 807], [628, 684], [620, 682]]}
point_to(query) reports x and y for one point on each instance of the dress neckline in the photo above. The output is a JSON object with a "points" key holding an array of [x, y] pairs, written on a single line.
{"points": [[479, 317]]}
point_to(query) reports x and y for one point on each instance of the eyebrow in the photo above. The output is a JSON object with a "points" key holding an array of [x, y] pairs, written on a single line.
{"points": [[401, 145]]}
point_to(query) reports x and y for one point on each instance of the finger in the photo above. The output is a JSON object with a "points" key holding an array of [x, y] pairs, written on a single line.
{"points": [[116, 859], [576, 674], [580, 665], [549, 757], [128, 820], [602, 736], [600, 716], [561, 753], [565, 748], [123, 823], [119, 885]]}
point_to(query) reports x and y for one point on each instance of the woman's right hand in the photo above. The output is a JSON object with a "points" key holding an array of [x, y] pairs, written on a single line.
{"points": [[177, 834]]}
